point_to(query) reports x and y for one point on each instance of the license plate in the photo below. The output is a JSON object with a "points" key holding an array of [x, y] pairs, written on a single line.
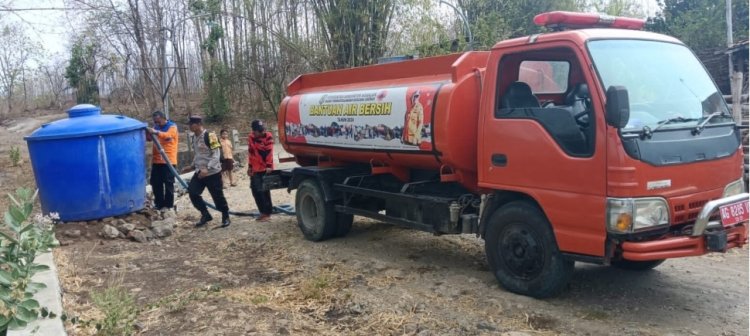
{"points": [[735, 213]]}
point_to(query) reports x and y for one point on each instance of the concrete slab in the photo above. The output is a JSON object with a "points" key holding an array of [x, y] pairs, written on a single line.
{"points": [[50, 298]]}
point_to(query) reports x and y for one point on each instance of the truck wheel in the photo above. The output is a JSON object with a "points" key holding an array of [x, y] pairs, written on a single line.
{"points": [[523, 254], [633, 265], [315, 217], [343, 224]]}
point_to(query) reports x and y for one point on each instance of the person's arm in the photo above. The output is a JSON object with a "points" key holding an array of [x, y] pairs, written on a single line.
{"points": [[249, 155], [213, 161], [268, 154], [167, 136]]}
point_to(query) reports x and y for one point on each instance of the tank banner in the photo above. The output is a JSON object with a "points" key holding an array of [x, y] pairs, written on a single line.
{"points": [[394, 118]]}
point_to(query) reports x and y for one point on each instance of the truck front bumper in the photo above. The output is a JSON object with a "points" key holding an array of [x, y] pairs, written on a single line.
{"points": [[706, 236]]}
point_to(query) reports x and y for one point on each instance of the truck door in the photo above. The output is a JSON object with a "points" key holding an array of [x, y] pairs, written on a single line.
{"points": [[541, 134]]}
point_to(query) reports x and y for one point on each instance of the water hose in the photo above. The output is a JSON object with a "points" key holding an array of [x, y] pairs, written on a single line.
{"points": [[277, 209]]}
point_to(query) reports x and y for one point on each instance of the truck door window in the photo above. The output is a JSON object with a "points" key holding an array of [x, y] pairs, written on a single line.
{"points": [[545, 76], [548, 73]]}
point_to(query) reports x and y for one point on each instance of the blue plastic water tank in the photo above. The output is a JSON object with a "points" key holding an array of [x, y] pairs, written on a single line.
{"points": [[89, 165]]}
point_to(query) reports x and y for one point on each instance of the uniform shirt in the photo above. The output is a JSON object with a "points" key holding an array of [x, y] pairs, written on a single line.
{"points": [[168, 139], [260, 150], [206, 159]]}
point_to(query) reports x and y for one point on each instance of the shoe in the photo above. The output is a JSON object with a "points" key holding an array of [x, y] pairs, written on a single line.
{"points": [[225, 221], [263, 218], [205, 218]]}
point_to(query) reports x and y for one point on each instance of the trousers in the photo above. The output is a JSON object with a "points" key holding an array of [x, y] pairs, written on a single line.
{"points": [[162, 184], [215, 188], [262, 198]]}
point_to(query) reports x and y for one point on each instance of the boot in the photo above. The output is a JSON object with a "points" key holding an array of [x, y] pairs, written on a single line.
{"points": [[205, 218], [225, 220]]}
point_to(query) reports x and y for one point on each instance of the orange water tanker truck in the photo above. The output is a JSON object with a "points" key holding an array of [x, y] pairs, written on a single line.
{"points": [[596, 142]]}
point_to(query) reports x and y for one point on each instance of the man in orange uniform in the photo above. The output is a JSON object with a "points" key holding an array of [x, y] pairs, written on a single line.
{"points": [[162, 180], [260, 162]]}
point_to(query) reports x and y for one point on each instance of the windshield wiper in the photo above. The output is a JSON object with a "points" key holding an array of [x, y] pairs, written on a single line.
{"points": [[698, 129], [646, 132]]}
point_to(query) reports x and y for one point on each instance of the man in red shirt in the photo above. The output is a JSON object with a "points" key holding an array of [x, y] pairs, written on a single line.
{"points": [[260, 162]]}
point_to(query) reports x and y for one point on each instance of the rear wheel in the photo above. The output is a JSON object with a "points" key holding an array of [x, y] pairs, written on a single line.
{"points": [[523, 254], [315, 218], [637, 265], [343, 224]]}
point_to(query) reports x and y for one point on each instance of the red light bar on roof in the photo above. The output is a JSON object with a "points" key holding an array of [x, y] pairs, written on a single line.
{"points": [[559, 19]]}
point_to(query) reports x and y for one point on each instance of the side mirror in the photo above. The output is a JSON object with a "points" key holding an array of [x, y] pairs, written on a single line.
{"points": [[618, 106]]}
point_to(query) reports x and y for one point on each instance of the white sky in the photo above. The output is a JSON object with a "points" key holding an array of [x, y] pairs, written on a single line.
{"points": [[52, 28], [48, 28]]}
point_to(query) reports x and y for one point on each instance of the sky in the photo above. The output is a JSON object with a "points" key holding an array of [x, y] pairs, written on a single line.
{"points": [[52, 28], [49, 28]]}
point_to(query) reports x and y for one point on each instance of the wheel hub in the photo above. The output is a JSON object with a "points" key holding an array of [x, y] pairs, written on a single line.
{"points": [[520, 251], [309, 212]]}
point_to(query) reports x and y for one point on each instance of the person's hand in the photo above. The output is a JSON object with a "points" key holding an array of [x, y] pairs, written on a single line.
{"points": [[153, 131], [268, 170], [249, 171], [202, 174]]}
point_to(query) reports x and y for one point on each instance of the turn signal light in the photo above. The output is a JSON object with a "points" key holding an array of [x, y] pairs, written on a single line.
{"points": [[624, 221]]}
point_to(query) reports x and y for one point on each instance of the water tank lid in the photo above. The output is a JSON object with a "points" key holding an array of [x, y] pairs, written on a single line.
{"points": [[85, 120]]}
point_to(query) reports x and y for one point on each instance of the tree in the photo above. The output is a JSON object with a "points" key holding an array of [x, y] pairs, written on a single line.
{"points": [[355, 32], [628, 8], [701, 24], [81, 72], [215, 77], [15, 52], [492, 21]]}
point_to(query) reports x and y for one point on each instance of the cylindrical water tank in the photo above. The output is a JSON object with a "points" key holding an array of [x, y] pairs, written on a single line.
{"points": [[89, 165]]}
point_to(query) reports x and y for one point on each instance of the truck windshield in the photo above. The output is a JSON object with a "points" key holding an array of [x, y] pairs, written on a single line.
{"points": [[667, 86]]}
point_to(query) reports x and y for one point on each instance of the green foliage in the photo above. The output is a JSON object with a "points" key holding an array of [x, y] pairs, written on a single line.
{"points": [[15, 156], [120, 311], [217, 77], [81, 72], [20, 242], [492, 21], [701, 24], [216, 103], [355, 32], [629, 8]]}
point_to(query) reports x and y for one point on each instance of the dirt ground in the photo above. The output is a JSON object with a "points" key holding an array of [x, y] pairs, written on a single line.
{"points": [[265, 279]]}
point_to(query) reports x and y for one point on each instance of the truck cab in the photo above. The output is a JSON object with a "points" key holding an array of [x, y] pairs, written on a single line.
{"points": [[620, 137]]}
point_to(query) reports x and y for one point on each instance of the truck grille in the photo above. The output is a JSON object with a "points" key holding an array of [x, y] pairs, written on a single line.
{"points": [[687, 211]]}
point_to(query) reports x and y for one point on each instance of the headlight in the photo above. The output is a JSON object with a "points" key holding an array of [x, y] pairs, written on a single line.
{"points": [[628, 215], [734, 188]]}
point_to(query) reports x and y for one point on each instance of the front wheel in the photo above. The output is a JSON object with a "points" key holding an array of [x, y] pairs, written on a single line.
{"points": [[633, 265], [522, 252]]}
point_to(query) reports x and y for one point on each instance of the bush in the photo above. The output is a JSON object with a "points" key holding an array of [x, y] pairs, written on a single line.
{"points": [[20, 242], [15, 156], [120, 311]]}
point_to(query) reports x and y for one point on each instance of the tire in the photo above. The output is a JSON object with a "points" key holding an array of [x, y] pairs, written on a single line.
{"points": [[343, 224], [633, 265], [315, 218], [522, 252]]}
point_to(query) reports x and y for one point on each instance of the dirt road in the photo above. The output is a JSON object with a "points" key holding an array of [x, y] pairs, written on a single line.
{"points": [[265, 279], [382, 279]]}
